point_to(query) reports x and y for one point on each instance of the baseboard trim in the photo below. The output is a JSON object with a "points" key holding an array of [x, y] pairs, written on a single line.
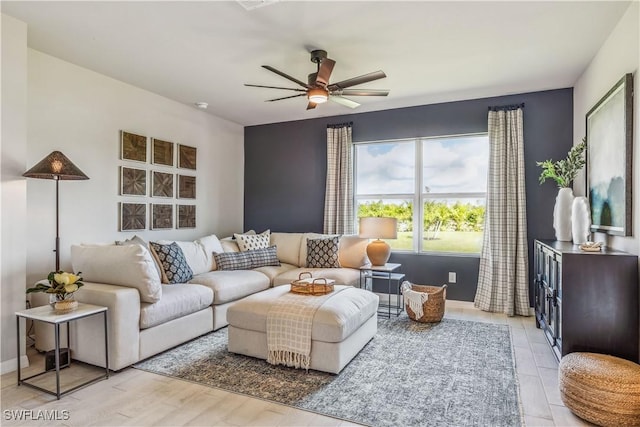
{"points": [[12, 364]]}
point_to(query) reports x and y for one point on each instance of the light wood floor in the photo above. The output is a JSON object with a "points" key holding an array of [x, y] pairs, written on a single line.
{"points": [[137, 398]]}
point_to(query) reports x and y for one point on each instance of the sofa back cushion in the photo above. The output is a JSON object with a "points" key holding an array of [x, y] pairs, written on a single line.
{"points": [[288, 247], [129, 265], [210, 244], [353, 251]]}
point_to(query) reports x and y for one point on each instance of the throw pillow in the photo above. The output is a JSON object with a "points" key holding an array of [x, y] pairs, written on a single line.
{"points": [[323, 253], [174, 265], [251, 242], [247, 260]]}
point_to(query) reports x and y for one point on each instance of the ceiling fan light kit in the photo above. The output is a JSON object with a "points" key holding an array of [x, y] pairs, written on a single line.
{"points": [[318, 95], [318, 89]]}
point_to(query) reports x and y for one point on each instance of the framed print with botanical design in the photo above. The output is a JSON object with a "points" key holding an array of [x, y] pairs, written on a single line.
{"points": [[161, 216], [161, 184], [133, 147], [186, 187], [609, 160], [187, 157], [133, 181], [133, 216], [161, 152], [186, 216]]}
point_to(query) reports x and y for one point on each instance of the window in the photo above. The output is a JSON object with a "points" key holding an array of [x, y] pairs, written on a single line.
{"points": [[445, 178]]}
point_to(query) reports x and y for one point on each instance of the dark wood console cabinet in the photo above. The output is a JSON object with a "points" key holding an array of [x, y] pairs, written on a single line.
{"points": [[586, 301]]}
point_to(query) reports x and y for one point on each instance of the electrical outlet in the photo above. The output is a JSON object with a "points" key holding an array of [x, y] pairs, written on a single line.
{"points": [[452, 277]]}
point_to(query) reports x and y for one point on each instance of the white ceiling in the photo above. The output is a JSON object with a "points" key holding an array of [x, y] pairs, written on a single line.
{"points": [[430, 51]]}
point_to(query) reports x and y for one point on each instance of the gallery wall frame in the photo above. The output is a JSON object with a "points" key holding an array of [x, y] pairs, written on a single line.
{"points": [[162, 152], [609, 126], [133, 147], [133, 181], [186, 216], [161, 184], [161, 216], [186, 187], [187, 157], [133, 216]]}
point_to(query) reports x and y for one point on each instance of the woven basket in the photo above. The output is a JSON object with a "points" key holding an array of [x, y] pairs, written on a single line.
{"points": [[602, 389], [433, 307]]}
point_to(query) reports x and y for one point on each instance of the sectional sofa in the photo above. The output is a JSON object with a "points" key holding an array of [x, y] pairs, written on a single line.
{"points": [[147, 317]]}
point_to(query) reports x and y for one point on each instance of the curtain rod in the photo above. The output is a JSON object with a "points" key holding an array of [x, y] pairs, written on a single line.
{"points": [[507, 107], [340, 125]]}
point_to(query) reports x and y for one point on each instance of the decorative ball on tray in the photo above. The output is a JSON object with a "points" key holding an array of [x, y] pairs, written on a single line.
{"points": [[591, 246]]}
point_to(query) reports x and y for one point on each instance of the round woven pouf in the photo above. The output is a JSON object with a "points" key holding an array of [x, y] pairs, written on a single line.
{"points": [[602, 389]]}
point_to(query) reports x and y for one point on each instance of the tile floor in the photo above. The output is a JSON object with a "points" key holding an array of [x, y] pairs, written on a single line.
{"points": [[137, 398]]}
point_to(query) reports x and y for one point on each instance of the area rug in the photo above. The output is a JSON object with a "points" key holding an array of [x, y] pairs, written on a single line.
{"points": [[453, 373]]}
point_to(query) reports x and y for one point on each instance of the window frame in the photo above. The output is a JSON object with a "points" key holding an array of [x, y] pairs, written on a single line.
{"points": [[418, 197]]}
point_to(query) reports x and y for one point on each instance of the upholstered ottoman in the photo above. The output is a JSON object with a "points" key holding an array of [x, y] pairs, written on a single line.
{"points": [[341, 327], [602, 389]]}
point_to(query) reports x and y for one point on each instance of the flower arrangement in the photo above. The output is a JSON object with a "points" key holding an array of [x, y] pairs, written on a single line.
{"points": [[61, 284], [563, 172]]}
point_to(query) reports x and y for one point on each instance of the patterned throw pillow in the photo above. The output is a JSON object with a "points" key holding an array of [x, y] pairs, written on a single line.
{"points": [[251, 242], [174, 265], [323, 253], [247, 260]]}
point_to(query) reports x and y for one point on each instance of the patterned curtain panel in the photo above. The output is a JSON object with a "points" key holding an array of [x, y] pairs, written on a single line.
{"points": [[503, 279], [338, 199]]}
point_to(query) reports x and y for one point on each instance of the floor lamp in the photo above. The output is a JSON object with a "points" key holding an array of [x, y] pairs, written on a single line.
{"points": [[58, 167]]}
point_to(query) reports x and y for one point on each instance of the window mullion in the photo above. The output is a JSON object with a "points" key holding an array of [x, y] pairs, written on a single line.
{"points": [[417, 199]]}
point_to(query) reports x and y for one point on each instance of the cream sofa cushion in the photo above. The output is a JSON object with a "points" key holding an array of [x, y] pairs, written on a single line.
{"points": [[272, 271], [177, 301], [193, 253], [336, 319], [288, 247], [231, 285], [342, 276], [229, 245], [210, 244], [129, 265], [352, 252]]}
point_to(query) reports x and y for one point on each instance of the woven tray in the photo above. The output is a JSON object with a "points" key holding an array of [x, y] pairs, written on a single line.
{"points": [[311, 286]]}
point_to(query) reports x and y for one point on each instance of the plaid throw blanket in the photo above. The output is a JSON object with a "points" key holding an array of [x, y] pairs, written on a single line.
{"points": [[289, 323]]}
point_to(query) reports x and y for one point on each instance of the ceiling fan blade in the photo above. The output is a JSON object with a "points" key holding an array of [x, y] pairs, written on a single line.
{"points": [[357, 80], [363, 92], [324, 73], [286, 97], [276, 87], [311, 105], [286, 76], [344, 101]]}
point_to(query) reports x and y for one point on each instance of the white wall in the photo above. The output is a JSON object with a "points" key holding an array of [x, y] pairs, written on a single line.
{"points": [[620, 54], [80, 113], [13, 198]]}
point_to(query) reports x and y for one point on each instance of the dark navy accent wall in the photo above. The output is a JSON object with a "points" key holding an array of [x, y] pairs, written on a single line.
{"points": [[285, 169]]}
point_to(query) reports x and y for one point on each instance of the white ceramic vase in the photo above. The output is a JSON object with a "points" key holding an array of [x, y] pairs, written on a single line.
{"points": [[562, 214], [580, 220]]}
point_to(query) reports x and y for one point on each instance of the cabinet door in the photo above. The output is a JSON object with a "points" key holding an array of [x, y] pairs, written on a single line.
{"points": [[558, 307], [550, 294], [538, 266]]}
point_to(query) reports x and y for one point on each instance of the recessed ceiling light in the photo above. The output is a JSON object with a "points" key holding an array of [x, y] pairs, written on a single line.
{"points": [[202, 105]]}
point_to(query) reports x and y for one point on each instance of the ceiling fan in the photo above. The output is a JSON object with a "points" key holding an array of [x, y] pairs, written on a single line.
{"points": [[318, 89]]}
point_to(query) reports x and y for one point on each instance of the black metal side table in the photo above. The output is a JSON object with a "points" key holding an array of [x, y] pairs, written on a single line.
{"points": [[48, 315], [369, 273]]}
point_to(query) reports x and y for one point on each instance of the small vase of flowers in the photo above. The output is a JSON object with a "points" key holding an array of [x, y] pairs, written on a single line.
{"points": [[60, 285]]}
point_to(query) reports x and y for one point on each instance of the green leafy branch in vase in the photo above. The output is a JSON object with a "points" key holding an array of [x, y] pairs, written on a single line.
{"points": [[563, 172]]}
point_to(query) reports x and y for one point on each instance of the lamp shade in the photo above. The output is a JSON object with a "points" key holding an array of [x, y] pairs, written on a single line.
{"points": [[55, 166], [378, 228]]}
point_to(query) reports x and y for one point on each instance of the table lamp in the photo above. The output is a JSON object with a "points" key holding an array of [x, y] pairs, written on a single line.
{"points": [[378, 228], [58, 167]]}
